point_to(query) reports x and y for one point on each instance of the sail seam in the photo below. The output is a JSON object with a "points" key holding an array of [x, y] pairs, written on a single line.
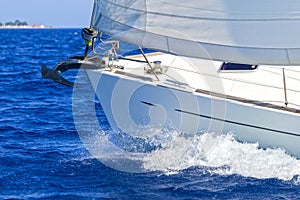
{"points": [[203, 43], [201, 18]]}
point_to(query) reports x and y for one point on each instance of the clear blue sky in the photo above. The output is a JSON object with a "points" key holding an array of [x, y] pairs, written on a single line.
{"points": [[57, 13]]}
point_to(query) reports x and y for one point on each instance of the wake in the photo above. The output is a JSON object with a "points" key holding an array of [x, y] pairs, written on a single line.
{"points": [[171, 152]]}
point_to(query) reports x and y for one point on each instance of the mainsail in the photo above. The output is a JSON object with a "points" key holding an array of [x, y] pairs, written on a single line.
{"points": [[253, 32]]}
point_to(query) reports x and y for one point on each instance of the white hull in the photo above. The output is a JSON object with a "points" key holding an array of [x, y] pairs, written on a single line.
{"points": [[132, 99]]}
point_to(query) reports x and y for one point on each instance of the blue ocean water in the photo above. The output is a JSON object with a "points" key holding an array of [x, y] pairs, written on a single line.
{"points": [[43, 157]]}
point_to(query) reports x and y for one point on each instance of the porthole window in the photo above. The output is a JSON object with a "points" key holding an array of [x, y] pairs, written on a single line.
{"points": [[235, 67]]}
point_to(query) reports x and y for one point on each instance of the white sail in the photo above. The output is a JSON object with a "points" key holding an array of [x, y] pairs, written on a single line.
{"points": [[254, 32]]}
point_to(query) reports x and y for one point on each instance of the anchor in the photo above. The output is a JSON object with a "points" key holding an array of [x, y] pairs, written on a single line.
{"points": [[76, 62]]}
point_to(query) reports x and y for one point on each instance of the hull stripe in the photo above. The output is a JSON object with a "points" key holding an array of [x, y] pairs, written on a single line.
{"points": [[238, 123]]}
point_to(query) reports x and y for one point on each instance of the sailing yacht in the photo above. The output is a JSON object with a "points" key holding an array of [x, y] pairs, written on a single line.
{"points": [[199, 66]]}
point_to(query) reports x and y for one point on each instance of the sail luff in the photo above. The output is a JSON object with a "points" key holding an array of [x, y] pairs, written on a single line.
{"points": [[229, 30], [93, 13]]}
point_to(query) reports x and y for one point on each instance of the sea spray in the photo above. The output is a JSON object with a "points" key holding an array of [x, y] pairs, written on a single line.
{"points": [[171, 152], [225, 156]]}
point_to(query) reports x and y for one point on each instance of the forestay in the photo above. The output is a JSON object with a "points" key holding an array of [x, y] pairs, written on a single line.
{"points": [[253, 32]]}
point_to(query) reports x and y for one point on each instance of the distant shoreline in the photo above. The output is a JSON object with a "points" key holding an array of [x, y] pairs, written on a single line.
{"points": [[31, 27], [26, 27]]}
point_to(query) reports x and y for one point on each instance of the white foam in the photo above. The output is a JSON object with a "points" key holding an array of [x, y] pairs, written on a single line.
{"points": [[225, 156], [220, 154]]}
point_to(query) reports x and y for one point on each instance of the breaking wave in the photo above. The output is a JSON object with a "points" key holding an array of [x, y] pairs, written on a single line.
{"points": [[172, 152], [225, 156]]}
